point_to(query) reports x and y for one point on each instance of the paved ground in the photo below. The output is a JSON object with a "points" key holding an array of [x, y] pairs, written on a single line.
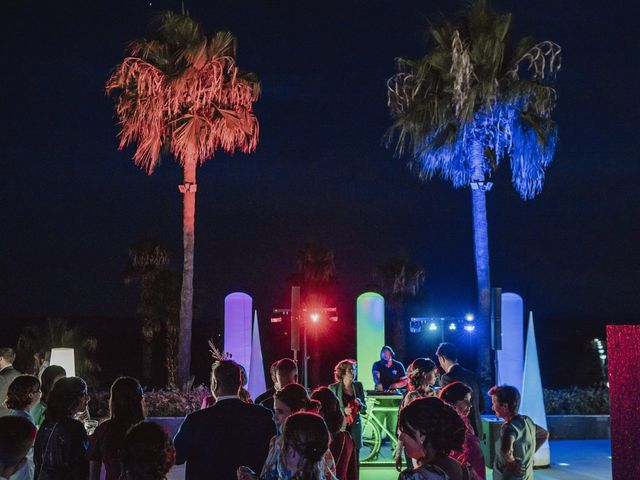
{"points": [[570, 460]]}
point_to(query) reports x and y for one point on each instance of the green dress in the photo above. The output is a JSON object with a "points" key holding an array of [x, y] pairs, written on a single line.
{"points": [[523, 431], [37, 412]]}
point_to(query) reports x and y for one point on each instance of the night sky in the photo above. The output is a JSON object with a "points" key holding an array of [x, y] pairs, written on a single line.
{"points": [[72, 204]]}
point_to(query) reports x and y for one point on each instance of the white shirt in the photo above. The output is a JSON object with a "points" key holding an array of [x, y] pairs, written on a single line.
{"points": [[227, 397]]}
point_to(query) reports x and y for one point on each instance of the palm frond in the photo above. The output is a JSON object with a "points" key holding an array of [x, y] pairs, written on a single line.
{"points": [[184, 91], [467, 90]]}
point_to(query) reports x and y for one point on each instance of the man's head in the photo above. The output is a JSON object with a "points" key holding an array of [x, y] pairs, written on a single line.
{"points": [[505, 400], [286, 372], [7, 356], [386, 353], [447, 355], [226, 378], [16, 438]]}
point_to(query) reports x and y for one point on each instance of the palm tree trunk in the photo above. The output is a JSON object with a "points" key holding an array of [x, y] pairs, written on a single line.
{"points": [[481, 244], [147, 350], [399, 336], [186, 298]]}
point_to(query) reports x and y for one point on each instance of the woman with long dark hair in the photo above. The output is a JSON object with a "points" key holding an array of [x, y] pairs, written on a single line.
{"points": [[458, 395], [429, 430], [60, 451], [287, 401], [126, 410], [421, 376], [147, 453], [49, 377], [341, 444], [305, 438]]}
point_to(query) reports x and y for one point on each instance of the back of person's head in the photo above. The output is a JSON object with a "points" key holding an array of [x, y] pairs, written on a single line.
{"points": [[8, 354], [125, 402], [439, 422], [295, 397], [329, 408], [340, 370], [286, 371], [16, 438], [307, 434], [21, 392], [49, 376], [147, 453], [419, 370], [65, 398], [454, 392], [448, 351], [226, 377], [507, 395]]}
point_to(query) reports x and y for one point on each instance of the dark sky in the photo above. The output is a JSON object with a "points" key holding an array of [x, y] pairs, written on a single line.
{"points": [[72, 204]]}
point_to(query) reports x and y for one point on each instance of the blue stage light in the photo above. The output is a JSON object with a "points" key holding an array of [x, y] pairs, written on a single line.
{"points": [[469, 328], [433, 326], [453, 326]]}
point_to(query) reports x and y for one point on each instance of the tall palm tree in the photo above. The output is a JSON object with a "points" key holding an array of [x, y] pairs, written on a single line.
{"points": [[182, 91], [474, 100], [400, 280]]}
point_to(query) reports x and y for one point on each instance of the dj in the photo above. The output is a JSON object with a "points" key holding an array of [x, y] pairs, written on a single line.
{"points": [[388, 374]]}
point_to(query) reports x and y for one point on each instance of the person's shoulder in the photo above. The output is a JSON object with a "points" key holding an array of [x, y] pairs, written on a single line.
{"points": [[102, 427], [425, 472], [264, 396], [255, 409]]}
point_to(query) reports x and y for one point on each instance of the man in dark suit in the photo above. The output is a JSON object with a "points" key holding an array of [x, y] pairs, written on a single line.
{"points": [[283, 372], [215, 441], [7, 374], [454, 372]]}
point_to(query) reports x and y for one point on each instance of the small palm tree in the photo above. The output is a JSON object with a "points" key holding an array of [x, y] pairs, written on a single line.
{"points": [[147, 265], [473, 101], [183, 92], [400, 280]]}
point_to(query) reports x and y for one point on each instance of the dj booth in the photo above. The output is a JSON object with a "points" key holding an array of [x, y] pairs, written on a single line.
{"points": [[379, 438]]}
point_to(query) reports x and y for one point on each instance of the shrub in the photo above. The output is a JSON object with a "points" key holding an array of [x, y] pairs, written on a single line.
{"points": [[158, 403], [577, 401]]}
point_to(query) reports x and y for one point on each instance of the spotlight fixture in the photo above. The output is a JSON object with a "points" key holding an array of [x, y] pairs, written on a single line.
{"points": [[452, 326], [469, 317], [433, 326], [469, 328]]}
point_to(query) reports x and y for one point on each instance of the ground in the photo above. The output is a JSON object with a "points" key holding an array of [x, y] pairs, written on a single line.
{"points": [[570, 460]]}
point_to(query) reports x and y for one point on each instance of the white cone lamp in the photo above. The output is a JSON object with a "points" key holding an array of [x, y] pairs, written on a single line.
{"points": [[532, 403], [64, 357], [257, 383]]}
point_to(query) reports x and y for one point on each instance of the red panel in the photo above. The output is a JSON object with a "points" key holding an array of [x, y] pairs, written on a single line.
{"points": [[623, 344]]}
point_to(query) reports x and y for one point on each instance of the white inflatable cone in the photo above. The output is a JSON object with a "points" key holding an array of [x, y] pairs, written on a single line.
{"points": [[532, 403], [257, 384]]}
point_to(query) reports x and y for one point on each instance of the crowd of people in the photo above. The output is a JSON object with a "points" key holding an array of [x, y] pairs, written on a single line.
{"points": [[285, 433]]}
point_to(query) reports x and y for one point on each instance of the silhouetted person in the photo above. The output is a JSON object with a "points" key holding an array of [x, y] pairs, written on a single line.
{"points": [[16, 439], [7, 374], [217, 440]]}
